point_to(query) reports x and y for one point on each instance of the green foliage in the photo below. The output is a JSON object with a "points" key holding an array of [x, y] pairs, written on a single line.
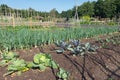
{"points": [[8, 57], [111, 23], [86, 18], [26, 38], [42, 61], [110, 8], [99, 8], [41, 58], [18, 65], [68, 13], [62, 74], [76, 47], [29, 13], [111, 79], [87, 8], [114, 39]]}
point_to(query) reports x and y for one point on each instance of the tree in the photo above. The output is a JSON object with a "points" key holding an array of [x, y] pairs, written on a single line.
{"points": [[54, 13], [68, 13], [63, 14], [99, 9], [109, 8], [117, 3], [4, 9], [86, 8]]}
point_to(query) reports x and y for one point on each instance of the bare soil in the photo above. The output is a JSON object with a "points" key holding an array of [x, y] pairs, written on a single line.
{"points": [[104, 64]]}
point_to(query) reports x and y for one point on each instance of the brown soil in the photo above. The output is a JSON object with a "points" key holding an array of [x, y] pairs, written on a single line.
{"points": [[104, 64]]}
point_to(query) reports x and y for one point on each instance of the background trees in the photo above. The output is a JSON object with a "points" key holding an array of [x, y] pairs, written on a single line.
{"points": [[86, 8], [117, 11], [99, 8]]}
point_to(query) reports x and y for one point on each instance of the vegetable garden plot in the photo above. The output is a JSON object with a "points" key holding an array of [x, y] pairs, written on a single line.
{"points": [[90, 66], [26, 38]]}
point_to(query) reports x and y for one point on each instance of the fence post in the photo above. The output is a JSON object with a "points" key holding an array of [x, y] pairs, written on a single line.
{"points": [[13, 20]]}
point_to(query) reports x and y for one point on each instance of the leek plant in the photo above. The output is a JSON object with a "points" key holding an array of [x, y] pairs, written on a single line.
{"points": [[27, 38]]}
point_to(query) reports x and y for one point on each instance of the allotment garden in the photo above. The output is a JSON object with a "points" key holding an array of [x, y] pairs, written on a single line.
{"points": [[70, 53]]}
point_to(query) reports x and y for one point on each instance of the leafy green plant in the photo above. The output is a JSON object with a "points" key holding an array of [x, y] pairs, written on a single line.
{"points": [[42, 61], [113, 39], [83, 48], [26, 38], [111, 79], [8, 57], [63, 46], [76, 47], [62, 74], [18, 65], [107, 40], [104, 45]]}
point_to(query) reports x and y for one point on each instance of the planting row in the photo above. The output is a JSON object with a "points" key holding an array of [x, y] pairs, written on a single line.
{"points": [[40, 61], [114, 39], [27, 38], [75, 47]]}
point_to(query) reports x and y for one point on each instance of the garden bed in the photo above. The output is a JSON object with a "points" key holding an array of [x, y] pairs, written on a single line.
{"points": [[104, 64]]}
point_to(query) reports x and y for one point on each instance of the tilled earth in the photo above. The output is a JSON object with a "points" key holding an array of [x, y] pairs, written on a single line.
{"points": [[104, 64]]}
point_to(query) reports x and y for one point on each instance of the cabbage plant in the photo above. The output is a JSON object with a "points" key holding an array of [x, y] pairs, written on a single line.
{"points": [[62, 74], [42, 61], [18, 65], [76, 47], [8, 57]]}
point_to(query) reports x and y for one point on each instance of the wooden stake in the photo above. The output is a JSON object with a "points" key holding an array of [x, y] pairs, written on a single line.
{"points": [[13, 20]]}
